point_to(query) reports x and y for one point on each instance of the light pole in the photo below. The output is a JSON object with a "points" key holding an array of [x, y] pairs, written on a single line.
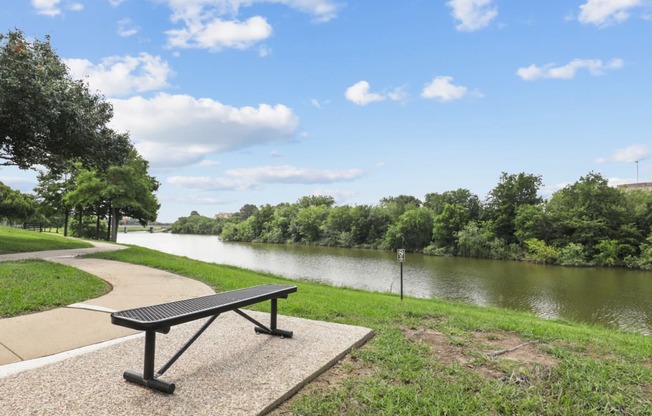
{"points": [[637, 171]]}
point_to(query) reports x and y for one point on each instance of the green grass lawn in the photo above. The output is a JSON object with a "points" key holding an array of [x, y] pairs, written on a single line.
{"points": [[35, 285], [13, 240], [432, 357]]}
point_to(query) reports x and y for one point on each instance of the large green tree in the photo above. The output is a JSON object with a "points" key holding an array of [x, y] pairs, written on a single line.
{"points": [[50, 192], [532, 221], [412, 231], [87, 196], [281, 228], [46, 117], [308, 223], [123, 191], [588, 212], [397, 205], [504, 200], [448, 223], [468, 200], [130, 192]]}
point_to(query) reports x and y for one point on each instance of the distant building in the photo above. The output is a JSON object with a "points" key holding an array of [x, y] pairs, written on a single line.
{"points": [[644, 186], [224, 215]]}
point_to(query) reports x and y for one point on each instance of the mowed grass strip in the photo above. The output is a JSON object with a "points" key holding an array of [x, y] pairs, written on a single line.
{"points": [[28, 286], [435, 357], [13, 240]]}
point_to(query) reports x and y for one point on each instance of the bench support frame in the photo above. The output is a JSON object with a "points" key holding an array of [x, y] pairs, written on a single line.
{"points": [[152, 380]]}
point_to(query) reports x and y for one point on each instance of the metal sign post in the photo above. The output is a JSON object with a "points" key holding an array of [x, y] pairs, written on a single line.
{"points": [[400, 256]]}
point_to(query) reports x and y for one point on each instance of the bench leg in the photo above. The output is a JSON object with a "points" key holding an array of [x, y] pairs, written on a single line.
{"points": [[272, 319], [147, 379], [262, 329]]}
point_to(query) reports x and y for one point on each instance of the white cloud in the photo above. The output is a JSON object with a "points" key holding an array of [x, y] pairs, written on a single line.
{"points": [[398, 94], [250, 178], [47, 7], [218, 34], [199, 200], [472, 14], [179, 130], [321, 10], [319, 104], [606, 12], [292, 174], [209, 163], [123, 75], [116, 3], [52, 7], [338, 195], [443, 89], [205, 25], [359, 94], [264, 51], [568, 71], [628, 154], [126, 28], [614, 182], [205, 183]]}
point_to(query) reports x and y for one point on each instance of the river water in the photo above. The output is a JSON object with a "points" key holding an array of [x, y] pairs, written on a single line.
{"points": [[615, 298]]}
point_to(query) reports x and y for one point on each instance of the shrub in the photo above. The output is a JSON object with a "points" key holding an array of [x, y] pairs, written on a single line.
{"points": [[540, 252], [572, 255]]}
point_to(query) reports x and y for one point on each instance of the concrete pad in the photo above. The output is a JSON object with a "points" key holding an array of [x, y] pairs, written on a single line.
{"points": [[57, 330], [230, 370]]}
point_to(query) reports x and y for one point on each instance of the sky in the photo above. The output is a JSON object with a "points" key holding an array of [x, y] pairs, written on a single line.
{"points": [[238, 102]]}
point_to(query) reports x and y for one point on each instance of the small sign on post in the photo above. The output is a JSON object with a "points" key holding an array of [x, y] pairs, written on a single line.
{"points": [[400, 256]]}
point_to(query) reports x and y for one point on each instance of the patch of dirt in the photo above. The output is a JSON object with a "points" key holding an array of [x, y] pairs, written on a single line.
{"points": [[512, 347], [442, 346], [530, 361], [646, 391]]}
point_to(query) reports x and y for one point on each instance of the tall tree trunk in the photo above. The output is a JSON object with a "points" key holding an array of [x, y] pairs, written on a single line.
{"points": [[114, 225], [80, 226], [97, 223], [109, 223], [65, 221]]}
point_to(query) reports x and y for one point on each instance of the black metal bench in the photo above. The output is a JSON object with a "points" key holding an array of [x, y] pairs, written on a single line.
{"points": [[159, 318], [33, 226]]}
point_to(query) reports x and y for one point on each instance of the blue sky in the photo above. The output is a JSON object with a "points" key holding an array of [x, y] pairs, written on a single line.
{"points": [[239, 102]]}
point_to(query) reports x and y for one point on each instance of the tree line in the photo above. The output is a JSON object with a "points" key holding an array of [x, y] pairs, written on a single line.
{"points": [[588, 223], [90, 176]]}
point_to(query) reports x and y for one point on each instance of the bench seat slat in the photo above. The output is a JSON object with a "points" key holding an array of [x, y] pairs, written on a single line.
{"points": [[178, 312]]}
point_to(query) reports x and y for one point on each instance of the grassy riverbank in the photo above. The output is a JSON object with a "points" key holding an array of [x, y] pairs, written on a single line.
{"points": [[438, 357], [428, 356]]}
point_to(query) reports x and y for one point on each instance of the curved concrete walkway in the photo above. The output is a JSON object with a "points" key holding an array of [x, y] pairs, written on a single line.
{"points": [[229, 370], [45, 333]]}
